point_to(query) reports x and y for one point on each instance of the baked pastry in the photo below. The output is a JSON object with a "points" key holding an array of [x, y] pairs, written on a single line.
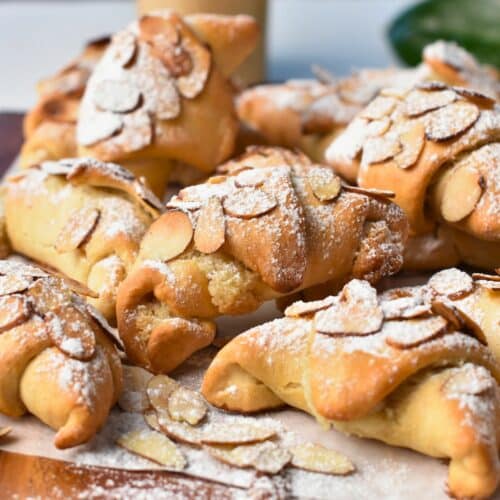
{"points": [[438, 149], [82, 217], [272, 224], [50, 127], [57, 360], [399, 368], [161, 94], [309, 114]]}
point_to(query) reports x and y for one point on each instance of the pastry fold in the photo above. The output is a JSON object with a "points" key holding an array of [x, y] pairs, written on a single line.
{"points": [[57, 359], [437, 148], [161, 94], [82, 217], [402, 367], [272, 224]]}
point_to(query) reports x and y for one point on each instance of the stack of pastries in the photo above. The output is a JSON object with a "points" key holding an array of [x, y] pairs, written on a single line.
{"points": [[390, 169]]}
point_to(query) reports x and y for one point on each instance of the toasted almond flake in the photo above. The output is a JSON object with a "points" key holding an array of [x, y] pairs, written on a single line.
{"points": [[5, 431], [77, 229], [433, 85], [137, 132], [378, 108], [378, 127], [475, 96], [133, 398], [484, 276], [325, 185], [159, 30], [176, 202], [216, 179], [247, 203], [412, 142], [153, 446], [188, 406], [235, 433], [447, 310], [45, 296], [265, 457], [151, 419], [124, 48], [469, 379], [14, 310], [210, 232], [355, 311], [251, 177], [168, 104], [168, 236], [450, 121], [461, 193], [419, 102], [21, 269], [55, 168], [117, 96], [300, 308], [489, 284], [451, 283], [413, 332], [102, 126], [158, 389], [71, 332], [179, 431], [405, 306], [380, 149], [317, 458], [396, 92], [376, 193], [11, 283]]}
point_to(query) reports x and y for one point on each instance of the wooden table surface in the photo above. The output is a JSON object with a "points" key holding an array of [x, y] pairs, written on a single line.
{"points": [[24, 476]]}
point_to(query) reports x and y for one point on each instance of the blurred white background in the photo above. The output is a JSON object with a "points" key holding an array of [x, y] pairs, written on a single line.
{"points": [[36, 38]]}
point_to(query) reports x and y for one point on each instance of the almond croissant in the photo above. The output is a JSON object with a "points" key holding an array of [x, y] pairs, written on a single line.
{"points": [[82, 217], [161, 94], [271, 225], [56, 359], [437, 148], [398, 368]]}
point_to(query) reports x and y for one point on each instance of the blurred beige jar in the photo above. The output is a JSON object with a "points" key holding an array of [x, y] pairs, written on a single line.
{"points": [[254, 69]]}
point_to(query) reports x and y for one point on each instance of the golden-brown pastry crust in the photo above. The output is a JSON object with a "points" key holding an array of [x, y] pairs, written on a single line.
{"points": [[160, 94], [57, 360], [272, 223], [389, 367], [84, 218], [440, 154]]}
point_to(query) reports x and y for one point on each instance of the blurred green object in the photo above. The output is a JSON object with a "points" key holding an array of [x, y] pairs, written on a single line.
{"points": [[473, 24]]}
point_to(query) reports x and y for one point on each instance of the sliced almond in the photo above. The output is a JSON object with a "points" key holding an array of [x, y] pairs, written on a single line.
{"points": [[12, 283], [133, 398], [153, 446], [55, 168], [404, 307], [489, 284], [431, 86], [419, 102], [447, 310], [77, 229], [451, 283], [21, 269], [412, 142], [188, 406], [151, 419], [159, 389], [450, 121], [180, 431], [377, 128], [325, 185], [413, 332], [469, 379], [354, 312], [235, 433], [251, 177], [265, 457], [168, 236], [5, 431], [14, 310], [137, 132], [376, 193], [486, 277], [176, 202], [124, 48], [102, 126], [160, 31], [46, 295], [71, 332], [210, 232], [168, 104], [247, 203], [379, 108], [380, 149], [462, 192], [300, 308], [117, 96], [475, 96], [317, 458]]}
